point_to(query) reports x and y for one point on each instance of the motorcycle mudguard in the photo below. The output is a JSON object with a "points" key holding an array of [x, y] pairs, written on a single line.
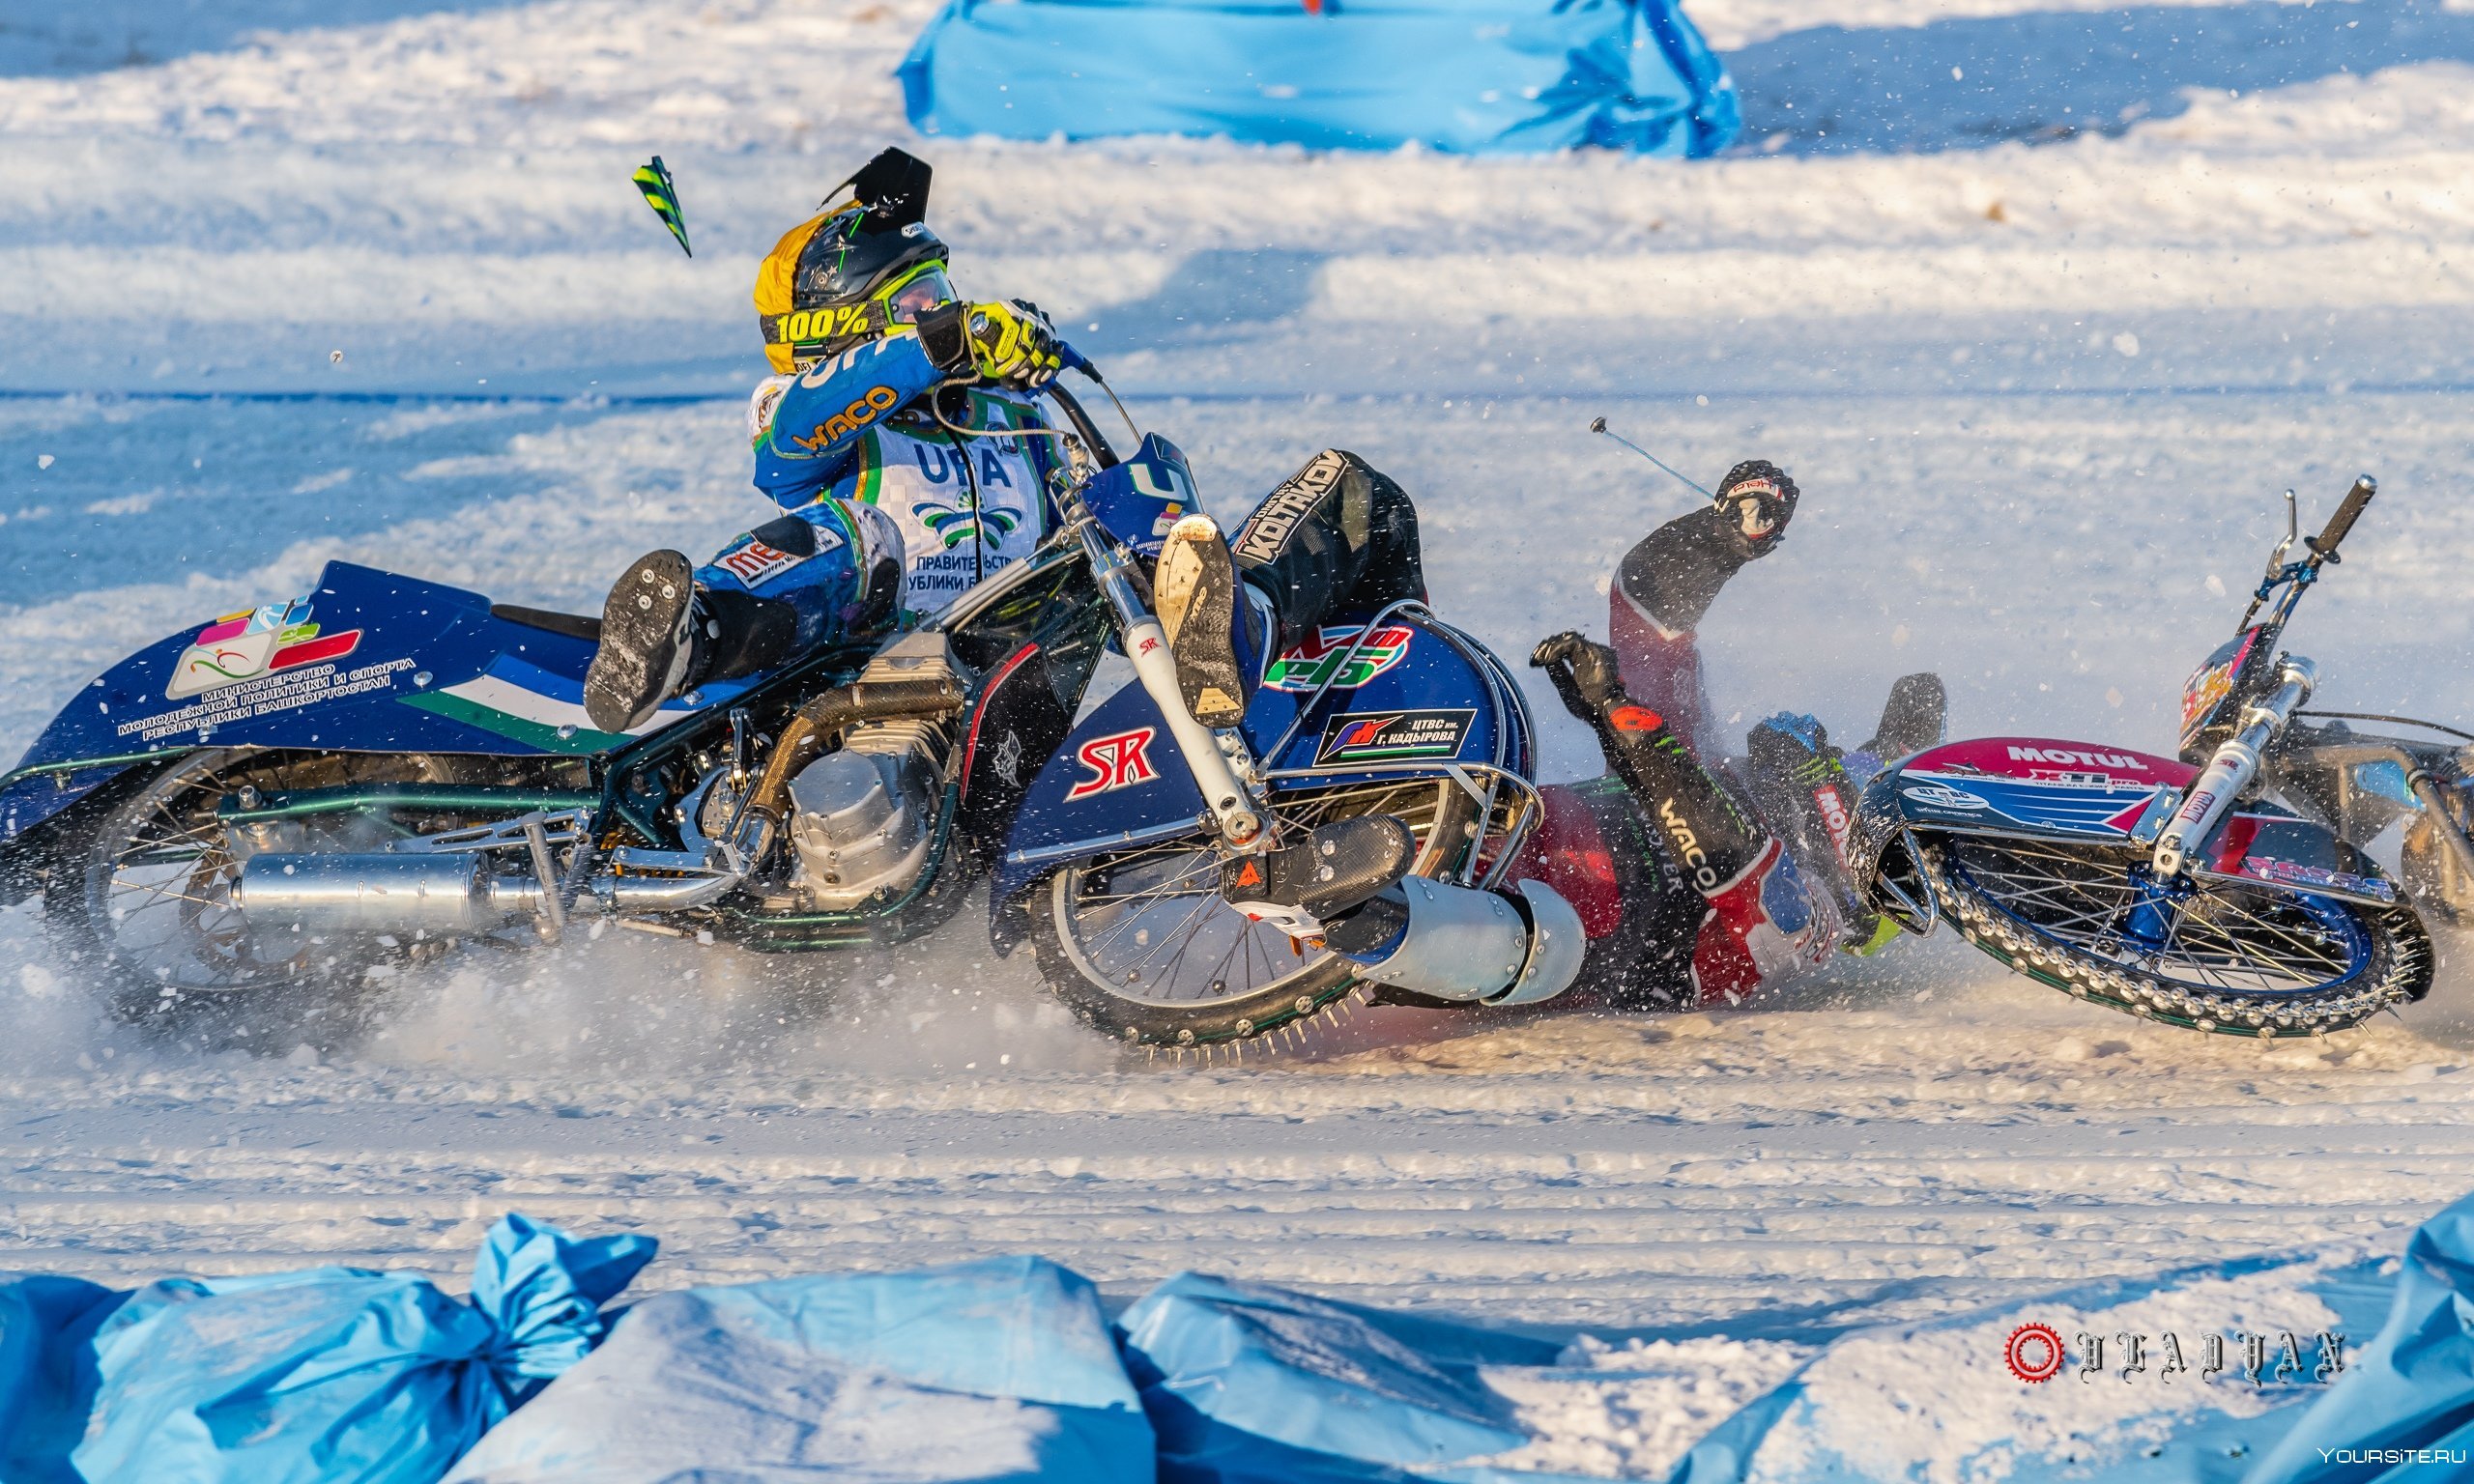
{"points": [[1408, 695], [365, 661], [2045, 788]]}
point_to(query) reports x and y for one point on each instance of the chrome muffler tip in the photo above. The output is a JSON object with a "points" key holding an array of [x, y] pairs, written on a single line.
{"points": [[445, 894]]}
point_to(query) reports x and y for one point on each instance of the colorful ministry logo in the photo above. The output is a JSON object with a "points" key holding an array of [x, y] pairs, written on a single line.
{"points": [[1309, 664], [255, 641]]}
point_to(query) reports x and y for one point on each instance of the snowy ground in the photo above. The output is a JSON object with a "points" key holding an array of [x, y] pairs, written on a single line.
{"points": [[2041, 307]]}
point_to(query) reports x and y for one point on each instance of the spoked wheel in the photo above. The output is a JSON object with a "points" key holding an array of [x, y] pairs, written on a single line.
{"points": [[2237, 956], [1141, 945], [145, 910]]}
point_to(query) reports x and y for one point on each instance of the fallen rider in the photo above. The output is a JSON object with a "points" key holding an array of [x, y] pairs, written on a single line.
{"points": [[1696, 885]]}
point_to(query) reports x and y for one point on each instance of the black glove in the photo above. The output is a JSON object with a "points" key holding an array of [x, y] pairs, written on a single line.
{"points": [[1758, 500], [1587, 676]]}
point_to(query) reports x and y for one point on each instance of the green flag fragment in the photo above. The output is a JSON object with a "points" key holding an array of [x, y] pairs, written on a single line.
{"points": [[661, 193]]}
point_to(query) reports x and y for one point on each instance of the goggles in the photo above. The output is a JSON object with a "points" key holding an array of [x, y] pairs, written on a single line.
{"points": [[922, 290]]}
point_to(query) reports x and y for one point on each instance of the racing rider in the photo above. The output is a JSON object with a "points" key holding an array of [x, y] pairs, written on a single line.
{"points": [[903, 436], [1697, 886]]}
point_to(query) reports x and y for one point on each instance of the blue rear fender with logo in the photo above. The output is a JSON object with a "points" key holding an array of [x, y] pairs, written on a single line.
{"points": [[1420, 699], [366, 660]]}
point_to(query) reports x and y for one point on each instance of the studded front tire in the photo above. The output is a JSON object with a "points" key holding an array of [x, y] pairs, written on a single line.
{"points": [[2244, 958]]}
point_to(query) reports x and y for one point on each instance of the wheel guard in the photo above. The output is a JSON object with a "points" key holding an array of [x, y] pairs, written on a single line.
{"points": [[2047, 789], [1405, 696]]}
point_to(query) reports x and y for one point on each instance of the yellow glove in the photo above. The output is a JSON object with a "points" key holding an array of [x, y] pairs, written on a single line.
{"points": [[1013, 343]]}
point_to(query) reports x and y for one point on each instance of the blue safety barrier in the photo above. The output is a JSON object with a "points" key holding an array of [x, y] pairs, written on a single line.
{"points": [[1467, 77]]}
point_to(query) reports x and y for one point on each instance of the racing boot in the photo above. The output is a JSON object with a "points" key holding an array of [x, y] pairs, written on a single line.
{"points": [[1195, 589], [1339, 865], [662, 634], [1913, 719]]}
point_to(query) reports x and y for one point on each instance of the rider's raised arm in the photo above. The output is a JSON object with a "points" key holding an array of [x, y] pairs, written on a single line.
{"points": [[1662, 588], [813, 426]]}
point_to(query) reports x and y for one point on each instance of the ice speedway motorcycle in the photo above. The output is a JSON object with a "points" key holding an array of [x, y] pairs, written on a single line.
{"points": [[2224, 890], [384, 768]]}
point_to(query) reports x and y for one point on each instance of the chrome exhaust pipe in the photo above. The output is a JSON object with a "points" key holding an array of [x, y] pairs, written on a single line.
{"points": [[1482, 948], [441, 893]]}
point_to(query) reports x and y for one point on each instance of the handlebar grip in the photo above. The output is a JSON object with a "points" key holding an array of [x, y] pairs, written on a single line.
{"points": [[1073, 360], [2350, 511]]}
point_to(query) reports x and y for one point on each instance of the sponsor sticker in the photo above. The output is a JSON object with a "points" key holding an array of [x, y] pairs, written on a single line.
{"points": [[2296, 873], [1267, 529], [1118, 761], [1375, 736], [756, 563], [258, 642], [1942, 796], [1305, 666], [1834, 818], [2066, 758], [267, 695]]}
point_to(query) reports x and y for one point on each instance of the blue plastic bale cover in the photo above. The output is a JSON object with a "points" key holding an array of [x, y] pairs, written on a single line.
{"points": [[46, 1372], [337, 1375], [2405, 1409], [1466, 76], [1247, 1382], [999, 1370]]}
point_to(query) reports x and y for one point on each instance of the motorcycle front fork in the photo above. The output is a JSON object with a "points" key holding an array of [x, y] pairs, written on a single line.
{"points": [[1213, 760]]}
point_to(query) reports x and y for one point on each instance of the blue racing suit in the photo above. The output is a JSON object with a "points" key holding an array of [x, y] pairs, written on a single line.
{"points": [[873, 486]]}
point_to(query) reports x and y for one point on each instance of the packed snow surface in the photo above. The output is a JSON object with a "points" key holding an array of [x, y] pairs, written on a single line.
{"points": [[2042, 307]]}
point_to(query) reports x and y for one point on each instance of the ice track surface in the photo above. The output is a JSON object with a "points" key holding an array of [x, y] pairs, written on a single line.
{"points": [[2039, 380]]}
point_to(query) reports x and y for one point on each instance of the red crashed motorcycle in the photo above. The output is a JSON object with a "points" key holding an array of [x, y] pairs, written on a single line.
{"points": [[2225, 890]]}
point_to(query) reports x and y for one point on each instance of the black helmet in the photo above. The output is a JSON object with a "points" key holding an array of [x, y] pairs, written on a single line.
{"points": [[868, 264]]}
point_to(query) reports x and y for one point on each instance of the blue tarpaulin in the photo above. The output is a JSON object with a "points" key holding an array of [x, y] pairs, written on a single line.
{"points": [[1000, 1370], [1468, 76], [2406, 1410], [1005, 1371], [333, 1373], [1250, 1384]]}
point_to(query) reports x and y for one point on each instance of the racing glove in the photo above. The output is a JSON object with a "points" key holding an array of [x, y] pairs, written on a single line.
{"points": [[1758, 499], [1010, 344]]}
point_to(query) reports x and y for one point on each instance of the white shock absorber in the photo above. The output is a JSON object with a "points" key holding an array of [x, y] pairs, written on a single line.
{"points": [[2230, 771], [1146, 647]]}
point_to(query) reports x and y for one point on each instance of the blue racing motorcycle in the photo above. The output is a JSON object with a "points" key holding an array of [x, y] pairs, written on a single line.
{"points": [[383, 769]]}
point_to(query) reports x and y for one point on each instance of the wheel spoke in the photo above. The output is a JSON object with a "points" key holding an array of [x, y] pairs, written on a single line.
{"points": [[2222, 935]]}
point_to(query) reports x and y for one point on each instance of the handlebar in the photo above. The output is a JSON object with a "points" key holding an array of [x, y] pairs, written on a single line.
{"points": [[2324, 544]]}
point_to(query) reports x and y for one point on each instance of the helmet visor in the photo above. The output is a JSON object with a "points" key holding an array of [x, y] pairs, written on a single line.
{"points": [[915, 296]]}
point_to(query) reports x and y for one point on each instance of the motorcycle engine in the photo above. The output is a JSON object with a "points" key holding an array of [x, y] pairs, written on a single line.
{"points": [[862, 816]]}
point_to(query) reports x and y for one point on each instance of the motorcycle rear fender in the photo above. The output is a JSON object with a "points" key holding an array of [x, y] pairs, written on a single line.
{"points": [[1118, 776], [365, 661], [2046, 788]]}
